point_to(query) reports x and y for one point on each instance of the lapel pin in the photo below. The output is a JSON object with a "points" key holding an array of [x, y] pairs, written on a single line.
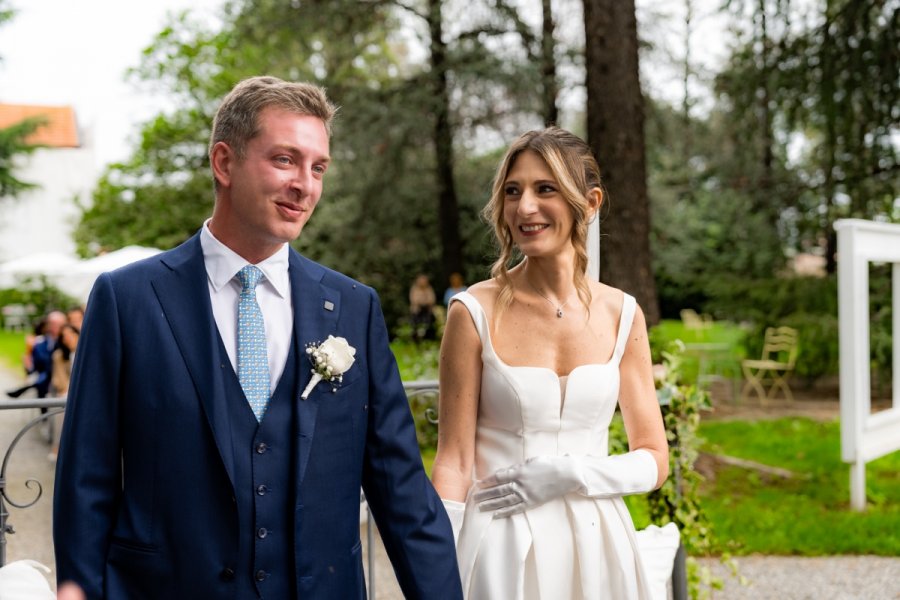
{"points": [[329, 305]]}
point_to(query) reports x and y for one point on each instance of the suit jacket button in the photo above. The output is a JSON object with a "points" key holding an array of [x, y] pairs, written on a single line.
{"points": [[261, 575], [262, 490], [227, 574], [261, 448], [262, 532]]}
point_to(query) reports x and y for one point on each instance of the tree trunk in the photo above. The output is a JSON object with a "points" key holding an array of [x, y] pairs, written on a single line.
{"points": [[615, 124], [549, 86], [767, 156], [448, 206]]}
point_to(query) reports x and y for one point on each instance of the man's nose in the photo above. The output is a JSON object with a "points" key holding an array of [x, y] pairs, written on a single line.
{"points": [[301, 181]]}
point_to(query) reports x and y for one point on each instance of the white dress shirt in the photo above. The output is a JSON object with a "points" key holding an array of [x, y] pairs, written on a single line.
{"points": [[273, 294]]}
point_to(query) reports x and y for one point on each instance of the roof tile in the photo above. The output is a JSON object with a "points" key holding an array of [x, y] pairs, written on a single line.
{"points": [[60, 130]]}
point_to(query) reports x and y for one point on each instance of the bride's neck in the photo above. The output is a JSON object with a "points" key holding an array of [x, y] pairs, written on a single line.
{"points": [[551, 276]]}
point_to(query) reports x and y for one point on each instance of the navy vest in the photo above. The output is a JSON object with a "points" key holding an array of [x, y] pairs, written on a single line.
{"points": [[264, 478]]}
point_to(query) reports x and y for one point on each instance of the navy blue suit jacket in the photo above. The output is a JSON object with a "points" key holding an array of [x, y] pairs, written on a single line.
{"points": [[42, 364], [144, 499]]}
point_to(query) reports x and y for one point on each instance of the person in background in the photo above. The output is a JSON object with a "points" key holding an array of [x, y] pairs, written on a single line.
{"points": [[456, 285], [63, 357], [42, 353], [75, 316], [28, 359], [421, 308]]}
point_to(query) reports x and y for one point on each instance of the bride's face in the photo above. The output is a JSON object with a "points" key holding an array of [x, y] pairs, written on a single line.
{"points": [[538, 216]]}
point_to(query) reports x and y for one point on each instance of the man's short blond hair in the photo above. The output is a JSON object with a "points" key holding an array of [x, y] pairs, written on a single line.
{"points": [[237, 120]]}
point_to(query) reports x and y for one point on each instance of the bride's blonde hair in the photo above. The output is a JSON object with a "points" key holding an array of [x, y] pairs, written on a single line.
{"points": [[577, 173]]}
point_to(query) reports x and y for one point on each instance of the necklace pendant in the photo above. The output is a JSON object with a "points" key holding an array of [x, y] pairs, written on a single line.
{"points": [[559, 313]]}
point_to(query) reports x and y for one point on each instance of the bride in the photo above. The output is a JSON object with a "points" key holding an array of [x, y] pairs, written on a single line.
{"points": [[533, 362]]}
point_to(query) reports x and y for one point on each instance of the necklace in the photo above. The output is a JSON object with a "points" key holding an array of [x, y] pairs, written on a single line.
{"points": [[559, 307]]}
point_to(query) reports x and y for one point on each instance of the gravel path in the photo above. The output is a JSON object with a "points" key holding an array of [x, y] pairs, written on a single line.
{"points": [[788, 578], [810, 578]]}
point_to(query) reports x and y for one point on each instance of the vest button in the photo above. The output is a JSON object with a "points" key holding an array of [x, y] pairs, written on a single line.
{"points": [[261, 448], [261, 575], [262, 532], [227, 574], [261, 490]]}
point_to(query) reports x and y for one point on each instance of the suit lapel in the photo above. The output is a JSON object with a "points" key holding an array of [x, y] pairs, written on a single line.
{"points": [[316, 310], [184, 296]]}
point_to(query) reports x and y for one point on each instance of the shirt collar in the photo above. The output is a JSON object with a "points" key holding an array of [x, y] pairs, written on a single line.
{"points": [[223, 263]]}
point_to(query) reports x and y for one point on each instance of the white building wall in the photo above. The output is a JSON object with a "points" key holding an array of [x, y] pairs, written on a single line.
{"points": [[43, 219]]}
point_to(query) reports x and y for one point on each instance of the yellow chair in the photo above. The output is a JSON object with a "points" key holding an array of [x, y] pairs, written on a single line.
{"points": [[779, 354]]}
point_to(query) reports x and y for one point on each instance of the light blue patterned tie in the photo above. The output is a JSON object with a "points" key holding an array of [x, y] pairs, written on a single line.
{"points": [[252, 359]]}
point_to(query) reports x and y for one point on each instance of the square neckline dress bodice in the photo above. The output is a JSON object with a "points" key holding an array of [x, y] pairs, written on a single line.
{"points": [[573, 547]]}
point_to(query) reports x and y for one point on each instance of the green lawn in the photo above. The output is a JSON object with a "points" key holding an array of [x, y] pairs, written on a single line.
{"points": [[12, 346], [808, 515], [416, 361], [726, 335]]}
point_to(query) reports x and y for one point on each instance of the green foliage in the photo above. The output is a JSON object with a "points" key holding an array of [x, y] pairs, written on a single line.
{"points": [[416, 361], [12, 146], [12, 347], [39, 293], [708, 221], [6, 13], [378, 218], [838, 76], [824, 75], [808, 514], [678, 500], [419, 362], [808, 304], [730, 336]]}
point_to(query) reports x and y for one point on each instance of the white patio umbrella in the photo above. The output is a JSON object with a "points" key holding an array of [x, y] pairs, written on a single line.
{"points": [[79, 279], [48, 264]]}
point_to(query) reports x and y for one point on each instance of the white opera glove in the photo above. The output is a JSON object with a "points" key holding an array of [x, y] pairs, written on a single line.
{"points": [[456, 511], [544, 478]]}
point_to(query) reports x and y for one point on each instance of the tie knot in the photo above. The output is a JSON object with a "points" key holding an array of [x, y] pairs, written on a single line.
{"points": [[249, 277]]}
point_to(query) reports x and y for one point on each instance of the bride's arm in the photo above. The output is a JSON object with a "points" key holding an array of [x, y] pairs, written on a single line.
{"points": [[637, 399], [460, 377]]}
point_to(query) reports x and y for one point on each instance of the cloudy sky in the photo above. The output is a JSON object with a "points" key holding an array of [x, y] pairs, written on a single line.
{"points": [[76, 52]]}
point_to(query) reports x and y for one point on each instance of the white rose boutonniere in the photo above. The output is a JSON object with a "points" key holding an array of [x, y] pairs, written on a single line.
{"points": [[330, 359]]}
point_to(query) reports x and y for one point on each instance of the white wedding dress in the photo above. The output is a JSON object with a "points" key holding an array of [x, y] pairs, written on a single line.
{"points": [[573, 547]]}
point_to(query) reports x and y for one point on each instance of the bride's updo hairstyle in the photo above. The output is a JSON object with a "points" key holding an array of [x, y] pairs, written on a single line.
{"points": [[576, 171]]}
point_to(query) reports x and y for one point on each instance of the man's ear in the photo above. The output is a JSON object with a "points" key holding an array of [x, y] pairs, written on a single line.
{"points": [[222, 159], [595, 199]]}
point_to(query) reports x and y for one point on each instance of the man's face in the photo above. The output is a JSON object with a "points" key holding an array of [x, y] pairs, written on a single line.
{"points": [[55, 321], [267, 196]]}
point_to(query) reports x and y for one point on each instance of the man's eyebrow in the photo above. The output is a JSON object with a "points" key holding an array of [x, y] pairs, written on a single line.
{"points": [[292, 149]]}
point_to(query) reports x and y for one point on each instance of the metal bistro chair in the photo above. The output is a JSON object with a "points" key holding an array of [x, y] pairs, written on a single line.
{"points": [[768, 374]]}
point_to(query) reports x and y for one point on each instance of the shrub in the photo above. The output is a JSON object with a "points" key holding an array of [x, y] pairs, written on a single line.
{"points": [[39, 293], [808, 304]]}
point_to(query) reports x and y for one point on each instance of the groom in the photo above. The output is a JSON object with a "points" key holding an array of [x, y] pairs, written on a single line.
{"points": [[190, 466]]}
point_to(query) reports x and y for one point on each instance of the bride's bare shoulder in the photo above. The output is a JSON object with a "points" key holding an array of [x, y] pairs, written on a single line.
{"points": [[486, 290], [606, 298], [485, 293]]}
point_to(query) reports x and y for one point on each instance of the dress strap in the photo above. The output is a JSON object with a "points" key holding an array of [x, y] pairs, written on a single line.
{"points": [[629, 304], [478, 317]]}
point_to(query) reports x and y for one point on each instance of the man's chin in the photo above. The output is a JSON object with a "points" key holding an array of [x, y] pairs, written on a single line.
{"points": [[289, 233]]}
